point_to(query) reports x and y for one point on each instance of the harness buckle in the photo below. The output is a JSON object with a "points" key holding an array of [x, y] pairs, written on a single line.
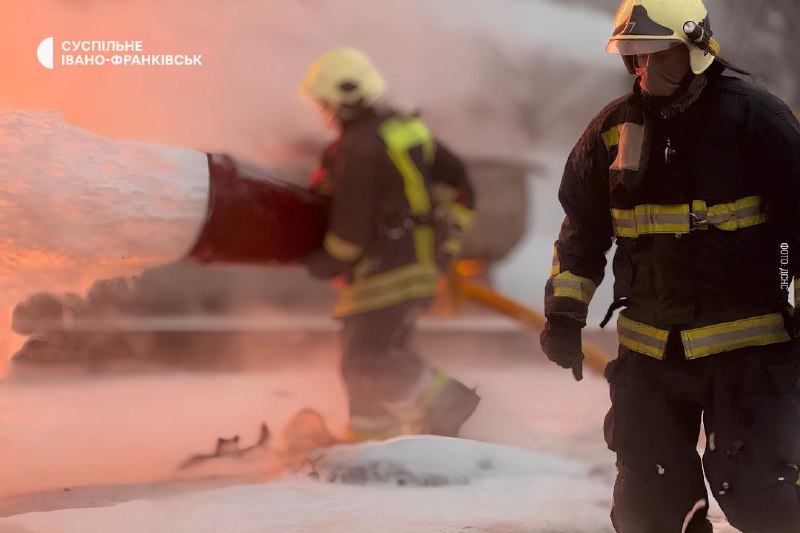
{"points": [[697, 223], [399, 226]]}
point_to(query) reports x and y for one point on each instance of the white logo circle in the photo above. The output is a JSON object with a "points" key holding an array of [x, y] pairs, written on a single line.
{"points": [[45, 53]]}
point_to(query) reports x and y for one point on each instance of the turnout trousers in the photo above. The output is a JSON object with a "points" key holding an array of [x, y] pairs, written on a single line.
{"points": [[749, 403]]}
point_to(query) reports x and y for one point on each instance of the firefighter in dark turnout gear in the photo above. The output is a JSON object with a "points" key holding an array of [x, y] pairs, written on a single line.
{"points": [[400, 201], [696, 174]]}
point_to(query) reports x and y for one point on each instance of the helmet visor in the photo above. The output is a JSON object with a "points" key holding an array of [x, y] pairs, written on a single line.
{"points": [[636, 47]]}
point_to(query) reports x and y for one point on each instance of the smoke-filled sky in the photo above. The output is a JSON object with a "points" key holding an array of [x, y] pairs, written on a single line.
{"points": [[470, 64]]}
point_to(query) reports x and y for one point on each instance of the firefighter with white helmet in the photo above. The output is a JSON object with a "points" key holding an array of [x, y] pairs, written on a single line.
{"points": [[696, 175], [400, 201]]}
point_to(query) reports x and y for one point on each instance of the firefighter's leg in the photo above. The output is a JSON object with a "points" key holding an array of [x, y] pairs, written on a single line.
{"points": [[391, 389], [659, 486], [753, 428]]}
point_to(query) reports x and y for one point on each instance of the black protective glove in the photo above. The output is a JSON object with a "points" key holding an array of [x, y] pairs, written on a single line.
{"points": [[321, 265], [562, 345]]}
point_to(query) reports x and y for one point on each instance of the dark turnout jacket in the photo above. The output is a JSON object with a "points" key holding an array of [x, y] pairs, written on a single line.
{"points": [[395, 191], [704, 210]]}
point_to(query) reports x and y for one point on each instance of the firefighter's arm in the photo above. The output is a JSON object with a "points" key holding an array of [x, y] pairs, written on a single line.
{"points": [[454, 195], [579, 254], [773, 153], [352, 210], [586, 234]]}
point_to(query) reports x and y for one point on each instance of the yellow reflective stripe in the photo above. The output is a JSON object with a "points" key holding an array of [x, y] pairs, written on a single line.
{"points": [[462, 215], [555, 270], [568, 285], [388, 288], [400, 135], [651, 219], [642, 338], [611, 137], [452, 246], [424, 243], [341, 249], [439, 381], [756, 331], [797, 292], [416, 193], [740, 214]]}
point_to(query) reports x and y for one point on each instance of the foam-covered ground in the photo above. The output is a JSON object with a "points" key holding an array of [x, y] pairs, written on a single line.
{"points": [[124, 436]]}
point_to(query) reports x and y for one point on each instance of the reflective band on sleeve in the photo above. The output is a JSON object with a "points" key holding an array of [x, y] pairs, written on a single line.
{"points": [[555, 270], [568, 285], [452, 246], [756, 331], [652, 219], [341, 249], [462, 215], [642, 338]]}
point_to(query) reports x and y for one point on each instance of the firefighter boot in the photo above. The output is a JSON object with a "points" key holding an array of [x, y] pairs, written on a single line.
{"points": [[439, 405]]}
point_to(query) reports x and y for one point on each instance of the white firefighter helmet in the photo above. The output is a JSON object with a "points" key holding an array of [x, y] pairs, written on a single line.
{"points": [[650, 26], [341, 78]]}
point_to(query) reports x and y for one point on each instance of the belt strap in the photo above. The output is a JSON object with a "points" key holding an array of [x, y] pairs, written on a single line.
{"points": [[649, 219], [708, 340], [756, 331], [642, 338]]}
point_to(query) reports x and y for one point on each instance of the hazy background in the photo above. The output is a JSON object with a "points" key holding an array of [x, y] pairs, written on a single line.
{"points": [[514, 81], [99, 163]]}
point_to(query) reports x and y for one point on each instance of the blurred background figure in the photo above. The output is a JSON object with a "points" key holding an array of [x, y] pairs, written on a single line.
{"points": [[400, 203]]}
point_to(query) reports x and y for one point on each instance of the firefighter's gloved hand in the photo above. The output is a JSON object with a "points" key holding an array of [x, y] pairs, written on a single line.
{"points": [[561, 342], [321, 265]]}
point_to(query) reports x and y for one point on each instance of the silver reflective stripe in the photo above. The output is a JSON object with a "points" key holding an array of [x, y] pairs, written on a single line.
{"points": [[663, 218], [700, 342], [649, 219], [568, 285], [642, 338], [728, 336], [627, 223], [728, 216], [733, 337]]}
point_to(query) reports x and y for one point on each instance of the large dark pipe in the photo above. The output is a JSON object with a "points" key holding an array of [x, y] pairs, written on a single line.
{"points": [[254, 218]]}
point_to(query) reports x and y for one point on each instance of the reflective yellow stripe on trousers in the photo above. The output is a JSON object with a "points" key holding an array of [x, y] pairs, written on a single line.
{"points": [[705, 341], [652, 219]]}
